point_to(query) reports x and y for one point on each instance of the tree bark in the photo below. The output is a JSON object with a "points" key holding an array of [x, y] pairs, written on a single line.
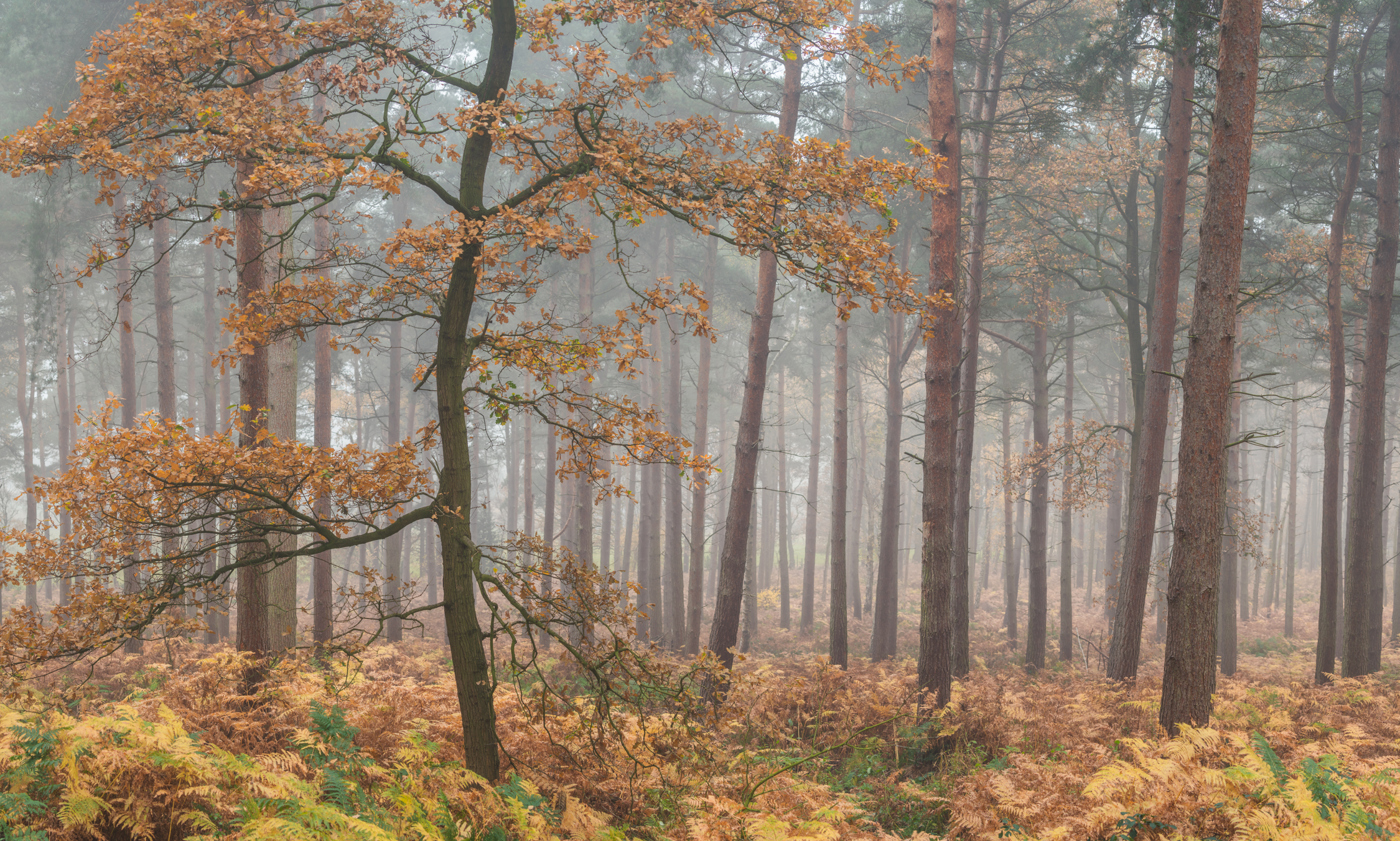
{"points": [[941, 366], [1011, 572], [1036, 596], [784, 514], [886, 619], [809, 549], [725, 627], [1067, 506], [1125, 645], [840, 459], [695, 614], [1188, 680], [1365, 562], [996, 25], [322, 588], [254, 633], [1330, 558], [282, 422], [1291, 549], [1226, 623]]}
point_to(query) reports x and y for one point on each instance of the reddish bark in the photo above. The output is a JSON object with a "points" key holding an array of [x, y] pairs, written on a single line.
{"points": [[1188, 679], [940, 375]]}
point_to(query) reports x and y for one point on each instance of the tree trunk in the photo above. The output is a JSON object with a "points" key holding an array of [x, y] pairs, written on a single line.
{"points": [[993, 59], [63, 360], [1291, 544], [840, 460], [1011, 564], [941, 367], [1113, 521], [1067, 507], [725, 627], [695, 614], [1227, 626], [1188, 680], [282, 422], [1330, 559], [809, 549], [1036, 595], [886, 619], [322, 592], [1125, 645], [1365, 561], [254, 633], [784, 514]]}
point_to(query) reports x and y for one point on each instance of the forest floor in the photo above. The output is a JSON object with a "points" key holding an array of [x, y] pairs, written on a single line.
{"points": [[167, 746]]}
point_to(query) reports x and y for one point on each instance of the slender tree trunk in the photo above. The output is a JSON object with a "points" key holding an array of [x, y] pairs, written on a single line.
{"points": [[1365, 561], [551, 487], [322, 592], [1188, 680], [697, 498], [1227, 623], [1329, 615], [1291, 544], [282, 422], [996, 25], [840, 459], [886, 619], [1126, 642], [725, 627], [1037, 597], [62, 362], [809, 549], [1011, 564], [1113, 524], [941, 366], [1067, 506], [784, 513], [626, 574]]}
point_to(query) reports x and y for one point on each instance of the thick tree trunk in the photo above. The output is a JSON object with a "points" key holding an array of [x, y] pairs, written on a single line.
{"points": [[1125, 645], [1188, 680], [809, 549], [1067, 507], [1365, 561], [941, 367], [696, 604], [63, 359]]}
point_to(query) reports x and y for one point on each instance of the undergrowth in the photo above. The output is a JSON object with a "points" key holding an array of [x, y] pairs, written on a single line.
{"points": [[371, 749]]}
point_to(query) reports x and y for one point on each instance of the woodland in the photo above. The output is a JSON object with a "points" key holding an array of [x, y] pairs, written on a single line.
{"points": [[626, 420]]}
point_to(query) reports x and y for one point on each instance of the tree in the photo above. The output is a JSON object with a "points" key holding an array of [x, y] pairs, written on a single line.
{"points": [[1365, 562], [1125, 644], [1188, 679], [189, 88], [941, 326]]}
